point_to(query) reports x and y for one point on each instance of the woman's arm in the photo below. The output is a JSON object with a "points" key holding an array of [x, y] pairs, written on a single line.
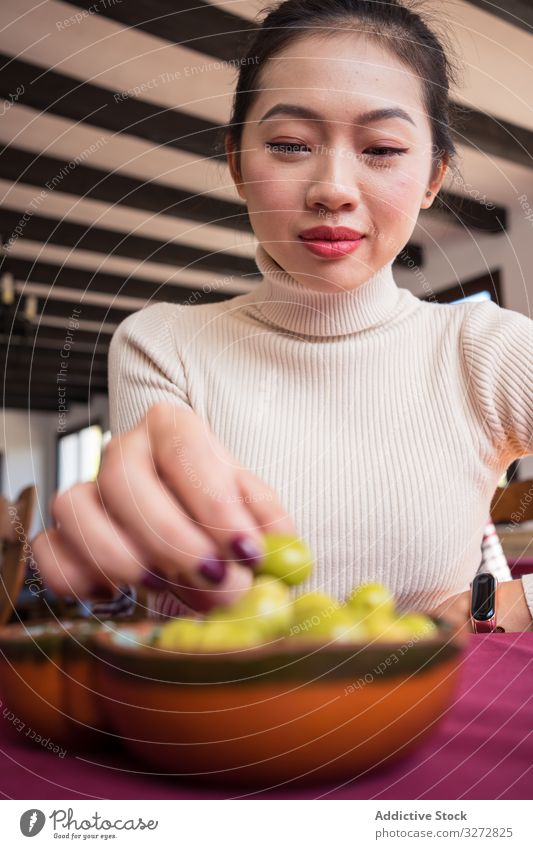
{"points": [[514, 613], [146, 497], [497, 348], [145, 366]]}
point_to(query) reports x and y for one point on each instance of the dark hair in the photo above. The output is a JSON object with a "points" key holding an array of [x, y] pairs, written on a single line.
{"points": [[390, 23]]}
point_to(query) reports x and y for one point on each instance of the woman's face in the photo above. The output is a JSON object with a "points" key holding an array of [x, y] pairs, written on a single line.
{"points": [[337, 166]]}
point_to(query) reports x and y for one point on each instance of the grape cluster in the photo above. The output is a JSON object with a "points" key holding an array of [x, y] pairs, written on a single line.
{"points": [[268, 613]]}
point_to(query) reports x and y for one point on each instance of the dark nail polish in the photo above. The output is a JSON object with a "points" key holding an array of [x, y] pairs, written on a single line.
{"points": [[246, 550], [213, 570], [152, 580]]}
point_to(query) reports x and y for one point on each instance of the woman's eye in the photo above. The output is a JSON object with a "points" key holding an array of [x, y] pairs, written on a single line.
{"points": [[286, 147], [383, 152]]}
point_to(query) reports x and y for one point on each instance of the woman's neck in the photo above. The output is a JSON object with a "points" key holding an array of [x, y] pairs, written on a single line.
{"points": [[281, 301]]}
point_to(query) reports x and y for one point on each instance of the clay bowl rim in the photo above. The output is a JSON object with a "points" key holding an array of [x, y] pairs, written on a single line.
{"points": [[448, 642]]}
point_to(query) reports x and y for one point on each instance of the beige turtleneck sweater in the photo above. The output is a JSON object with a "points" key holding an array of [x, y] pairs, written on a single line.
{"points": [[383, 422]]}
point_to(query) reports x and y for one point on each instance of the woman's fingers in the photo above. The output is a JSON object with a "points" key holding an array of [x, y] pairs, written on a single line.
{"points": [[89, 531], [65, 572], [263, 503], [171, 509], [202, 474], [238, 580], [89, 553], [154, 517], [177, 552]]}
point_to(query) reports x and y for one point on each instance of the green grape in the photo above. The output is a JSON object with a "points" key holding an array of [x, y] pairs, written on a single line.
{"points": [[383, 627], [418, 625], [227, 636], [181, 635], [312, 603], [371, 598], [286, 557], [266, 608], [337, 625]]}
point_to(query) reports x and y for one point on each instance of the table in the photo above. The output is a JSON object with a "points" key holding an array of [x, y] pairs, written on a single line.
{"points": [[482, 749]]}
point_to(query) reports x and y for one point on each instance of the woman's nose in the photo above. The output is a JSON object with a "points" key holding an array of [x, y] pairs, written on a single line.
{"points": [[334, 184]]}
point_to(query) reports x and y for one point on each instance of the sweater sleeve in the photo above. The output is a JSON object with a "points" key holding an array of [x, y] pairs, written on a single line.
{"points": [[144, 366], [498, 357], [527, 586]]}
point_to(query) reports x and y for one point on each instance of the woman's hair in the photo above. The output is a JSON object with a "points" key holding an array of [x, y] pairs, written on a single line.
{"points": [[392, 24]]}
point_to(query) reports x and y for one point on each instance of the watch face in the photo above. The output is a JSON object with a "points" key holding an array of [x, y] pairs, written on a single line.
{"points": [[484, 597]]}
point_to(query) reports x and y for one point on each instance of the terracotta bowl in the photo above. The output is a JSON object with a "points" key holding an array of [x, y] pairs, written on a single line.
{"points": [[46, 683], [289, 711]]}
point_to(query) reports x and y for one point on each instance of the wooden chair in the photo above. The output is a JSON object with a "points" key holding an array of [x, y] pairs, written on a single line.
{"points": [[15, 524], [511, 506], [513, 503]]}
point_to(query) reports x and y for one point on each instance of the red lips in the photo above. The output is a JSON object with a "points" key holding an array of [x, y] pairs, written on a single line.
{"points": [[331, 234]]}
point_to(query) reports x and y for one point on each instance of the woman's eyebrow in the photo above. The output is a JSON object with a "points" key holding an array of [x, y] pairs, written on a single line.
{"points": [[295, 111]]}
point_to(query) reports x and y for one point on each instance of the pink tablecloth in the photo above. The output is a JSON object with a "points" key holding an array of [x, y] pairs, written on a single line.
{"points": [[520, 566], [483, 749]]}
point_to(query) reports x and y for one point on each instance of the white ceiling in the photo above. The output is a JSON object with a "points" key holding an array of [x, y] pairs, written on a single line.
{"points": [[498, 78]]}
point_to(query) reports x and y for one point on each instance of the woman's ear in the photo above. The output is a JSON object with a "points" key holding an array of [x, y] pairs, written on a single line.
{"points": [[438, 174], [233, 164]]}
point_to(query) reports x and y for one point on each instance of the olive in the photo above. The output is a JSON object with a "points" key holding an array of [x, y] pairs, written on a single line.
{"points": [[418, 625], [336, 625], [225, 636], [312, 603], [371, 598], [266, 608], [181, 635], [286, 557]]}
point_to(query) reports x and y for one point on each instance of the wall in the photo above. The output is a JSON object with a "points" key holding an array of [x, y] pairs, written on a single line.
{"points": [[468, 257], [28, 445]]}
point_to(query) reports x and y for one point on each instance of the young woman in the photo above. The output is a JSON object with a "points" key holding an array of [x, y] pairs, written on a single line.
{"points": [[328, 401]]}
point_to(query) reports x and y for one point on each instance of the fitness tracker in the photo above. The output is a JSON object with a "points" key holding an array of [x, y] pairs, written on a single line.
{"points": [[483, 604]]}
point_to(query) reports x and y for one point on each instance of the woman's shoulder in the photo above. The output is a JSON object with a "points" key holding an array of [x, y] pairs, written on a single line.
{"points": [[488, 327], [165, 320], [170, 312], [477, 318]]}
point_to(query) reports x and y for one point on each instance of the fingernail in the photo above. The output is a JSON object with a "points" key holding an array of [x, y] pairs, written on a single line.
{"points": [[213, 570], [152, 580], [246, 550]]}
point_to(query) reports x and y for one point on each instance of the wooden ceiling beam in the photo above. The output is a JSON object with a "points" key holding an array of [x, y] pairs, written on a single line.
{"points": [[20, 166], [491, 135], [50, 360], [58, 94], [71, 277], [47, 230], [68, 234], [34, 401], [516, 12], [205, 27], [79, 101]]}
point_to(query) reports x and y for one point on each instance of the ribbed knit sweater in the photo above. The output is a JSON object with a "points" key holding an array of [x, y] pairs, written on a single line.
{"points": [[383, 422]]}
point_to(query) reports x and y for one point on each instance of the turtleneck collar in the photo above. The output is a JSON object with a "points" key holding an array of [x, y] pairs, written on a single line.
{"points": [[280, 300]]}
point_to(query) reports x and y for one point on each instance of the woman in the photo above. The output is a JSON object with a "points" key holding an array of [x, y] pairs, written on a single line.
{"points": [[328, 401]]}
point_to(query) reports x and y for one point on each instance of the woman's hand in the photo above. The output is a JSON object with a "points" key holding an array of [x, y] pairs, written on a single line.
{"points": [[512, 609], [455, 610], [170, 509]]}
